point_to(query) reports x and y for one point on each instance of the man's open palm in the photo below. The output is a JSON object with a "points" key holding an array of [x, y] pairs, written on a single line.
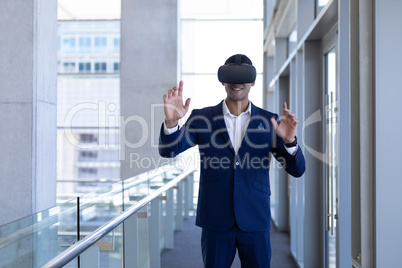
{"points": [[173, 105], [287, 126]]}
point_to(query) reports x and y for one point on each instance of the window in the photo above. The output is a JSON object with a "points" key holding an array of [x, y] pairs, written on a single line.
{"points": [[116, 67], [116, 42], [100, 41], [292, 41], [85, 172], [68, 43], [88, 155], [84, 42], [69, 67], [320, 4], [88, 138], [84, 67], [100, 67]]}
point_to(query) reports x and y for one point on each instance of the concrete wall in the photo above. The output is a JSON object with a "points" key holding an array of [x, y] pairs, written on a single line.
{"points": [[388, 127], [149, 67], [282, 175], [28, 30], [312, 141]]}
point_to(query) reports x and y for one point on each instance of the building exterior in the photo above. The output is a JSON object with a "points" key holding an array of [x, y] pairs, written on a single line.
{"points": [[88, 105]]}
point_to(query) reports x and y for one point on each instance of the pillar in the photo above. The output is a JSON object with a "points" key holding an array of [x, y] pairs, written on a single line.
{"points": [[387, 98], [149, 67], [28, 66]]}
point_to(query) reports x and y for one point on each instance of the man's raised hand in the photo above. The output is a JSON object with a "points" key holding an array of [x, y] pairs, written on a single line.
{"points": [[287, 126], [173, 105]]}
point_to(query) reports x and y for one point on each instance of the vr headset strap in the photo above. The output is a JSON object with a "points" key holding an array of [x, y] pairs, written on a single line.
{"points": [[238, 59]]}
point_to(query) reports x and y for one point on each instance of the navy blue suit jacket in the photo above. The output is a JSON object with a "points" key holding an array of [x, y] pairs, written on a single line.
{"points": [[233, 187]]}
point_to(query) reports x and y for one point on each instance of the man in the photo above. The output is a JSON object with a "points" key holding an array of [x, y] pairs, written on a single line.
{"points": [[235, 139]]}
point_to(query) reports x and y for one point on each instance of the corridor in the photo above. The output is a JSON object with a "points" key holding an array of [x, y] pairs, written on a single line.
{"points": [[187, 249]]}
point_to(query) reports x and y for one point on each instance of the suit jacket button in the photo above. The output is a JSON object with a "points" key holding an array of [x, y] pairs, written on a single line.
{"points": [[237, 163]]}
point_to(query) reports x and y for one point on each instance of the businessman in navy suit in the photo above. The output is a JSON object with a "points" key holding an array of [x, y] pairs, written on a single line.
{"points": [[236, 140]]}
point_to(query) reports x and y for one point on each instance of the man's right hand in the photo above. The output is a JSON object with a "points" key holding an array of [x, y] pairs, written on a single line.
{"points": [[173, 105]]}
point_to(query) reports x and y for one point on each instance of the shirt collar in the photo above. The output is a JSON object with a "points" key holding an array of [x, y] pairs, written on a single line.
{"points": [[226, 110]]}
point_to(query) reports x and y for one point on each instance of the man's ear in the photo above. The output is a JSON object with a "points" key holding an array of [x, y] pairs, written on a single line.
{"points": [[252, 84]]}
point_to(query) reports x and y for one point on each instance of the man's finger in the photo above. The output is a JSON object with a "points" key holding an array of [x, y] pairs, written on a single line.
{"points": [[273, 121], [181, 88], [187, 104], [285, 107], [171, 92]]}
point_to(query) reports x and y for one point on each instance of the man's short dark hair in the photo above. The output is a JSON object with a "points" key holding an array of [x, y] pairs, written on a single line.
{"points": [[238, 59]]}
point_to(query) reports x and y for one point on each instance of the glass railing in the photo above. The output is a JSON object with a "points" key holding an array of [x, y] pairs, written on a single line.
{"points": [[129, 223]]}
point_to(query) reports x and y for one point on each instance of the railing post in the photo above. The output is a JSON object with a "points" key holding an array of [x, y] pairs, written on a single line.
{"points": [[131, 256], [154, 234], [179, 209], [186, 189], [169, 220], [90, 258], [188, 194], [143, 237], [191, 192]]}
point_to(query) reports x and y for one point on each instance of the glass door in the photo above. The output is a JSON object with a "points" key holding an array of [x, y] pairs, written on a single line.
{"points": [[331, 150]]}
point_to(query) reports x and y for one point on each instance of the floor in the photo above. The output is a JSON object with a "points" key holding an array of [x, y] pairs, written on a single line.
{"points": [[187, 249]]}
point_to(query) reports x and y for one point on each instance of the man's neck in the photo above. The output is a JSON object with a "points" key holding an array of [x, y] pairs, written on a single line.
{"points": [[237, 107]]}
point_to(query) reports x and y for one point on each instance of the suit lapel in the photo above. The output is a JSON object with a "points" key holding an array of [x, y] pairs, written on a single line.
{"points": [[221, 126], [254, 117], [255, 121]]}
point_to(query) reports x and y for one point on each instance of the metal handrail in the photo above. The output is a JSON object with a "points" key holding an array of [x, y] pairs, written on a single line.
{"points": [[75, 250], [7, 240]]}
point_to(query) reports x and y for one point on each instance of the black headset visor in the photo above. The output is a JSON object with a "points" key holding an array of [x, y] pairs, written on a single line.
{"points": [[237, 74]]}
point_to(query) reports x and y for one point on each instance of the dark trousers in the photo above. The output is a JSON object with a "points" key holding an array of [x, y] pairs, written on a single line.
{"points": [[219, 248]]}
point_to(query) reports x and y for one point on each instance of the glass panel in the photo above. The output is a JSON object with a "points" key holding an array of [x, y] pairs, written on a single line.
{"points": [[332, 141], [35, 240], [98, 208], [87, 118], [135, 188], [90, 101], [320, 4]]}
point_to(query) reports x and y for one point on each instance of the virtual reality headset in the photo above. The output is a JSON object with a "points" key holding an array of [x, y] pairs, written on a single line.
{"points": [[238, 69]]}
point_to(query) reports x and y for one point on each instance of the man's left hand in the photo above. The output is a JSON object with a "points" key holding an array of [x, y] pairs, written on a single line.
{"points": [[287, 126]]}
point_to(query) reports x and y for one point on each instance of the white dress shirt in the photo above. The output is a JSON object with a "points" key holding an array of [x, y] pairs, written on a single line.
{"points": [[236, 127]]}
